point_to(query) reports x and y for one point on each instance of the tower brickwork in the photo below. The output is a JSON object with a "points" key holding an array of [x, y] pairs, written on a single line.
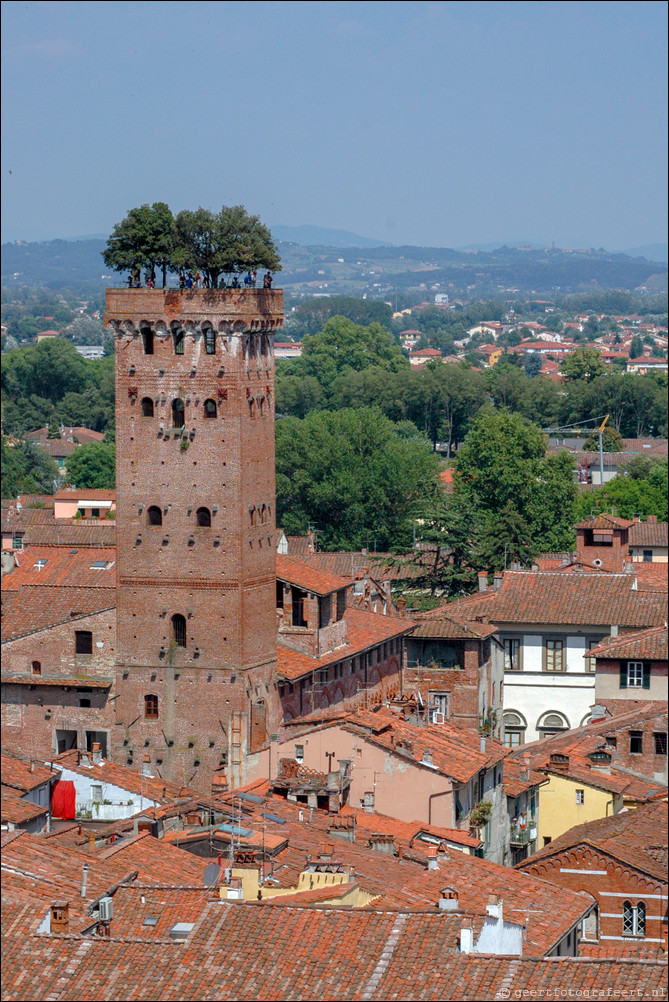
{"points": [[196, 532]]}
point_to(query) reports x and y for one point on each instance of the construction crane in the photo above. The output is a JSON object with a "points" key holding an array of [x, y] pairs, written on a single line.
{"points": [[599, 430]]}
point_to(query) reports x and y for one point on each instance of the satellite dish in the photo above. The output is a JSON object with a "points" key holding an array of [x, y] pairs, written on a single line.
{"points": [[211, 874]]}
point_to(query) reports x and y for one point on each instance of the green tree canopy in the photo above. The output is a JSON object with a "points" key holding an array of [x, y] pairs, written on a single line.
{"points": [[93, 466], [502, 466], [612, 441], [226, 242], [342, 345], [583, 363], [144, 239], [26, 469], [630, 495], [350, 473]]}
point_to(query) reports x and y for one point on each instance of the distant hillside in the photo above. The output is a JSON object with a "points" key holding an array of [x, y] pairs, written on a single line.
{"points": [[321, 236], [373, 271]]}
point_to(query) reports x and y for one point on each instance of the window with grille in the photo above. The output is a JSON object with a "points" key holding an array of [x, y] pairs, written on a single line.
{"points": [[634, 919], [554, 654], [580, 796], [511, 654], [151, 707], [660, 742], [210, 341], [83, 642], [179, 630]]}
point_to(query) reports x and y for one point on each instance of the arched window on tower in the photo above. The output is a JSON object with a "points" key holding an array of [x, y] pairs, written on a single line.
{"points": [[147, 340], [209, 408], [147, 407], [179, 338], [178, 416], [203, 516], [179, 630], [154, 515], [151, 707], [210, 341]]}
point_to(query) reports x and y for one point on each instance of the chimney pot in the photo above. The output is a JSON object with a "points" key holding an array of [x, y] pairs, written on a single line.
{"points": [[84, 879], [97, 754], [483, 580]]}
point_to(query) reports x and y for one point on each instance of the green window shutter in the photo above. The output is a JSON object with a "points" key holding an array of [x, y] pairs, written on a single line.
{"points": [[646, 676], [623, 675]]}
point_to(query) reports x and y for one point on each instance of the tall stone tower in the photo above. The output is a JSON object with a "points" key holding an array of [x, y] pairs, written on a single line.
{"points": [[196, 599]]}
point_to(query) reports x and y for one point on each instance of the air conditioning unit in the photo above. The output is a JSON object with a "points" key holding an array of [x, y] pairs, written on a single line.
{"points": [[106, 908]]}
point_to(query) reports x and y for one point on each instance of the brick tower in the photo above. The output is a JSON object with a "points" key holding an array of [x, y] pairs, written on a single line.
{"points": [[196, 602]]}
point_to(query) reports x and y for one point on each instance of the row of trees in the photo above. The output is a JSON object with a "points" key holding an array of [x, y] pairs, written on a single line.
{"points": [[214, 243], [347, 365]]}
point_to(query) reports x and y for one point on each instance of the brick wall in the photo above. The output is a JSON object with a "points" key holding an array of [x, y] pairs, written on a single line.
{"points": [[379, 680], [611, 883], [219, 577]]}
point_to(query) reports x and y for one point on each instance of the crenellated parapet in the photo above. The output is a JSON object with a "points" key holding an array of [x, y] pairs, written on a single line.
{"points": [[228, 311]]}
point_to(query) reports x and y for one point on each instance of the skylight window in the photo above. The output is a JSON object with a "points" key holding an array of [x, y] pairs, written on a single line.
{"points": [[99, 565], [41, 563]]}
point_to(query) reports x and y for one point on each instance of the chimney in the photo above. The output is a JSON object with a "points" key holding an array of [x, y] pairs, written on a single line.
{"points": [[91, 841], [449, 901], [31, 767], [466, 939], [483, 580], [498, 577], [494, 906], [97, 754], [559, 763], [432, 861], [84, 879], [146, 766], [59, 920], [84, 760], [597, 712], [614, 631], [482, 743], [525, 771]]}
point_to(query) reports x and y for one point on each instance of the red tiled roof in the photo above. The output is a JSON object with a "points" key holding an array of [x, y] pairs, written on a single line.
{"points": [[604, 521], [636, 837], [16, 810], [365, 630], [34, 608], [648, 645], [452, 750], [68, 533], [444, 626], [577, 598], [518, 779], [152, 787], [85, 494], [649, 533], [253, 952], [23, 776], [298, 572], [56, 565]]}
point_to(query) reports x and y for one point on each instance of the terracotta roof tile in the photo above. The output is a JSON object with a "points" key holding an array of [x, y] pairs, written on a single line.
{"points": [[648, 644], [68, 533], [649, 533], [57, 565], [22, 775], [575, 599], [34, 607], [153, 787], [365, 630], [298, 572]]}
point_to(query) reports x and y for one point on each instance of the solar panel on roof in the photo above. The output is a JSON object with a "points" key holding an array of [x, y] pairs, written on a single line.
{"points": [[234, 830], [273, 817], [250, 796]]}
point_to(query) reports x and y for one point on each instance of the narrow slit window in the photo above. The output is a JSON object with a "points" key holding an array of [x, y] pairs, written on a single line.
{"points": [[179, 336], [147, 340], [147, 407]]}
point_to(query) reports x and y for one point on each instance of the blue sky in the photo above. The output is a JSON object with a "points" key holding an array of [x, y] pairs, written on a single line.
{"points": [[426, 123]]}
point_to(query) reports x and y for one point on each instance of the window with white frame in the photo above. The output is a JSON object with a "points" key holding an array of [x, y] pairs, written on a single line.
{"points": [[634, 919], [634, 674], [511, 654], [580, 796]]}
